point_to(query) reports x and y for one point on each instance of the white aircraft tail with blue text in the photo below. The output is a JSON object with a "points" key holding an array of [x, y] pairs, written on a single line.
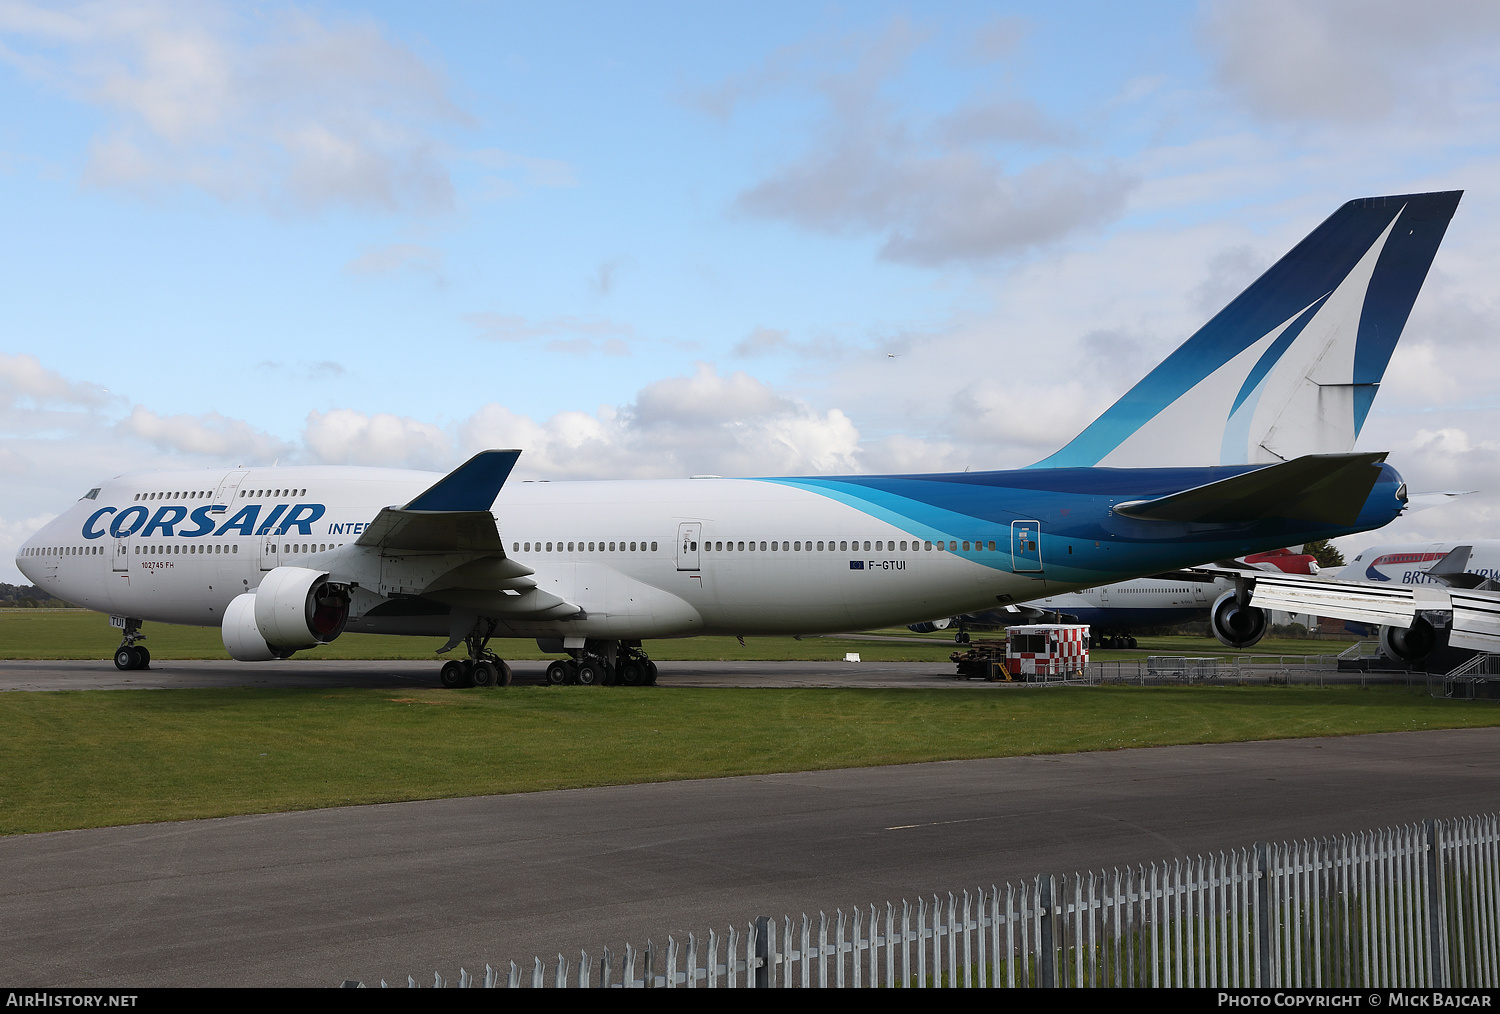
{"points": [[1292, 364]]}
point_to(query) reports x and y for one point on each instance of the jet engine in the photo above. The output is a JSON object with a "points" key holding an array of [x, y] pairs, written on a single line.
{"points": [[242, 637], [1409, 644], [930, 626], [293, 608], [1235, 625]]}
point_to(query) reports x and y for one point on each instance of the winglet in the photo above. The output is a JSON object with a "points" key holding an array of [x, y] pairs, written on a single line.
{"points": [[471, 486]]}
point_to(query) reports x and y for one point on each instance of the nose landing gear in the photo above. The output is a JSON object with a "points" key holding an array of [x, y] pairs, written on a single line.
{"points": [[130, 655]]}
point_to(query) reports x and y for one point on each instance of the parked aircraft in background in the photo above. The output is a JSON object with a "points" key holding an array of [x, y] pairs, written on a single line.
{"points": [[1433, 567], [1412, 562], [1452, 601], [284, 559], [1115, 613]]}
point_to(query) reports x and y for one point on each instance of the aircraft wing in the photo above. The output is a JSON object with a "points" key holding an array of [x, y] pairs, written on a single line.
{"points": [[433, 532], [452, 516], [1472, 616], [445, 545]]}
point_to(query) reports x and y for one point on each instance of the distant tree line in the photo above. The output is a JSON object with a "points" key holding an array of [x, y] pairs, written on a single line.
{"points": [[25, 596]]}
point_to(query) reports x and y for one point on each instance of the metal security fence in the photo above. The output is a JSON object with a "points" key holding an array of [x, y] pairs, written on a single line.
{"points": [[1417, 905]]}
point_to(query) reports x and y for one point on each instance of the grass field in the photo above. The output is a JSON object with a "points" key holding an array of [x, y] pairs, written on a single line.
{"points": [[93, 758], [69, 633]]}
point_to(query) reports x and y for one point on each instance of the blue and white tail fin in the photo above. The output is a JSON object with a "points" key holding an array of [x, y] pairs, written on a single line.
{"points": [[1291, 366]]}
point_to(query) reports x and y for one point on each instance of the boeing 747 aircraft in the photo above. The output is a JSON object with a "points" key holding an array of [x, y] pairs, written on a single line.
{"points": [[286, 559]]}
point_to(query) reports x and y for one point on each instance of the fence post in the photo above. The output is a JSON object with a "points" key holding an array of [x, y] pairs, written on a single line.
{"points": [[1262, 915], [763, 952], [1048, 956], [1437, 924]]}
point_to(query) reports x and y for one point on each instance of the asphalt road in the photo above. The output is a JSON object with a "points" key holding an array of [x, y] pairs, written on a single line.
{"points": [[93, 674], [90, 674], [382, 891]]}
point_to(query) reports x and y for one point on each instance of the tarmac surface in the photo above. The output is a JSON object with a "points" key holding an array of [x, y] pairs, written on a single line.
{"points": [[311, 673], [89, 674], [372, 892]]}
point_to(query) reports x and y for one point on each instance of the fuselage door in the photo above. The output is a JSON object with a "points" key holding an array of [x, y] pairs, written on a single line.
{"points": [[687, 544], [230, 485], [121, 561], [1198, 595], [270, 552], [1025, 546]]}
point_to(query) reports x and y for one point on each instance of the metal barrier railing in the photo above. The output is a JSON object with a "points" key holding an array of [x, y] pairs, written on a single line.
{"points": [[1411, 906]]}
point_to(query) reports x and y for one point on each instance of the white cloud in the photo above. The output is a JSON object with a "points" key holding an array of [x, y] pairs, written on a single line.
{"points": [[590, 335], [208, 435], [23, 379], [1351, 60], [347, 437], [702, 423], [392, 257], [273, 106], [938, 191]]}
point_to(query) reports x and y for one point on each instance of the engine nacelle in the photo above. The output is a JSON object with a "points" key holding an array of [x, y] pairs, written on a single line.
{"points": [[242, 637], [1235, 625], [299, 608], [1409, 644]]}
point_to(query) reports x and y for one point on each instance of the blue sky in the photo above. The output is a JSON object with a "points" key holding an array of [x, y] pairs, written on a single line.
{"points": [[661, 239]]}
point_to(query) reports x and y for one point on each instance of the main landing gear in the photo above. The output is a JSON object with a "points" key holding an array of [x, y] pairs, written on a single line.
{"points": [[610, 663], [483, 668], [130, 655]]}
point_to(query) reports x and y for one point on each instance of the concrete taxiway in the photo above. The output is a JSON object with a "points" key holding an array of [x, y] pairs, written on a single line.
{"points": [[378, 892]]}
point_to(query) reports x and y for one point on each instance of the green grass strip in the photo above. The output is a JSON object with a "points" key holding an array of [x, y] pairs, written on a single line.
{"points": [[102, 757]]}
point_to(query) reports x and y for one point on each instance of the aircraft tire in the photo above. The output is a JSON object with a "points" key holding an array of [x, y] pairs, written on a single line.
{"points": [[1130, 642], [506, 676], [590, 673], [631, 674], [485, 673], [452, 674], [557, 673], [125, 658], [650, 673]]}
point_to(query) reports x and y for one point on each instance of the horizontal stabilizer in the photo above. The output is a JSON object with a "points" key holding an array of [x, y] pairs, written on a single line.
{"points": [[1329, 488], [471, 486]]}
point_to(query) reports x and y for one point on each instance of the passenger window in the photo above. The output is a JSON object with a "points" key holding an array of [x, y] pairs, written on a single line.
{"points": [[992, 545], [653, 547]]}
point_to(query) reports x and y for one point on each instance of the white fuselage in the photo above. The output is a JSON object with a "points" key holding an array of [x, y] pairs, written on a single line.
{"points": [[770, 558]]}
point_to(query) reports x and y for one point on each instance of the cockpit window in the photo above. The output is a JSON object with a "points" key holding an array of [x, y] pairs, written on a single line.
{"points": [[92, 494]]}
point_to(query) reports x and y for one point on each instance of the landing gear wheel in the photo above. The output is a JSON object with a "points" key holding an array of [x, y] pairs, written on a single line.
{"points": [[558, 673], [631, 674], [1130, 642], [650, 673], [126, 658], [485, 673], [589, 673], [452, 675], [961, 637], [505, 675], [145, 656]]}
